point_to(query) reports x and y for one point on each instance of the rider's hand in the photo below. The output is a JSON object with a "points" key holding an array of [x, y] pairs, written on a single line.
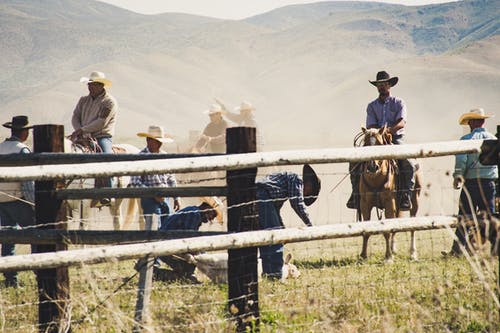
{"points": [[77, 133], [458, 182], [177, 204]]}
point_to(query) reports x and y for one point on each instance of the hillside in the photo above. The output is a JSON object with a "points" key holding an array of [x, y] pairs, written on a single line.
{"points": [[303, 64]]}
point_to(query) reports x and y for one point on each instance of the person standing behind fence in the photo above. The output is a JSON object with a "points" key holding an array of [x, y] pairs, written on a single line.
{"points": [[160, 206], [272, 192], [213, 138], [388, 111], [477, 181], [16, 198]]}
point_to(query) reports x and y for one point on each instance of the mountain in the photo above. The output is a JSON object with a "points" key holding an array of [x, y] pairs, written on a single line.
{"points": [[305, 67]]}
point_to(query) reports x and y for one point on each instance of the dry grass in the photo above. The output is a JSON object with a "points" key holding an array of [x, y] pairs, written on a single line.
{"points": [[336, 292]]}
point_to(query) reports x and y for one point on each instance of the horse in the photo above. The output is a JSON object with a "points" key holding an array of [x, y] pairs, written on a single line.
{"points": [[378, 188], [80, 209]]}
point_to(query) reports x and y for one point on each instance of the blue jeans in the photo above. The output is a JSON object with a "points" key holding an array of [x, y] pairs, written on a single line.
{"points": [[150, 206], [13, 214], [406, 168], [482, 193], [106, 144], [269, 218]]}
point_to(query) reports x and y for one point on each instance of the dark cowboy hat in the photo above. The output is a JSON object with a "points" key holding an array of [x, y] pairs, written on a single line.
{"points": [[18, 122], [309, 176], [383, 76]]}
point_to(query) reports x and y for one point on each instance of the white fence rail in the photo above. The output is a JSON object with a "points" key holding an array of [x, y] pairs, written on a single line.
{"points": [[238, 161], [221, 242]]}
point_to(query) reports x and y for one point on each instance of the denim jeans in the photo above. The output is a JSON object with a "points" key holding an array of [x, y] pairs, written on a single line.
{"points": [[150, 206], [13, 214], [269, 218], [106, 144], [406, 168], [482, 194]]}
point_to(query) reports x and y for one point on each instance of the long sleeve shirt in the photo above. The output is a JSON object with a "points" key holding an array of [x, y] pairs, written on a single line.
{"points": [[283, 186], [468, 165], [96, 116], [153, 180], [11, 191], [388, 113], [188, 218]]}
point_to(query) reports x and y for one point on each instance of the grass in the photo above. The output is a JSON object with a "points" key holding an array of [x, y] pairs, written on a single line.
{"points": [[336, 292]]}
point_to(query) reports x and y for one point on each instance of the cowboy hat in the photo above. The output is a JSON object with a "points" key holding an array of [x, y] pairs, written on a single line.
{"points": [[309, 176], [477, 113], [214, 108], [96, 77], [157, 133], [245, 106], [216, 204], [18, 122], [383, 76]]}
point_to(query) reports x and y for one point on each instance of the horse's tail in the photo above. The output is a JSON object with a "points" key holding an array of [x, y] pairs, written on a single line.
{"points": [[132, 207]]}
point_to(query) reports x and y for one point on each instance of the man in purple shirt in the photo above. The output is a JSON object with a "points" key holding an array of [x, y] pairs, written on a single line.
{"points": [[388, 111]]}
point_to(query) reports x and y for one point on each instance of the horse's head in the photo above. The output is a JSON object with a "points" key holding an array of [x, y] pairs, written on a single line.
{"points": [[376, 136]]}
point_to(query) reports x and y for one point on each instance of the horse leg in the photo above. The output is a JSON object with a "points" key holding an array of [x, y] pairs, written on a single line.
{"points": [[365, 215], [413, 247], [115, 211], [388, 253], [390, 245]]}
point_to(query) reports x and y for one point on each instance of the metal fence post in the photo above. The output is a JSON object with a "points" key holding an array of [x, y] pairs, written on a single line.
{"points": [[242, 216]]}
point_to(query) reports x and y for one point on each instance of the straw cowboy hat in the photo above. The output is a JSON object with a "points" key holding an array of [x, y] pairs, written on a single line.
{"points": [[383, 76], [477, 113], [216, 204], [214, 108], [157, 133], [309, 176], [245, 106], [18, 122], [96, 77]]}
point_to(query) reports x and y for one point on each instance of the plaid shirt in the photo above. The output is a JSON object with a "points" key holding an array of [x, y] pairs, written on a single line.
{"points": [[156, 180], [283, 186]]}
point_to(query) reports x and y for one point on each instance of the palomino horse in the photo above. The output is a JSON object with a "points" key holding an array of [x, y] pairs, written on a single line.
{"points": [[80, 209], [378, 188]]}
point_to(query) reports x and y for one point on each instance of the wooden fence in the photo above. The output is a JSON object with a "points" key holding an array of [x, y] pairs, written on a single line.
{"points": [[241, 163]]}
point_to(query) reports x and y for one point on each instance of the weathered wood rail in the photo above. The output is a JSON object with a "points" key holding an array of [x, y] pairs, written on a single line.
{"points": [[222, 242]]}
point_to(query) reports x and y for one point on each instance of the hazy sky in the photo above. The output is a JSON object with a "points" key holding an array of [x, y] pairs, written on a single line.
{"points": [[228, 9]]}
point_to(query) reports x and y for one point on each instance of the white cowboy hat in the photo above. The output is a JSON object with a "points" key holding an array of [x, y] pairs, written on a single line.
{"points": [[96, 77], [244, 106], [214, 108], [157, 133], [477, 113], [216, 204]]}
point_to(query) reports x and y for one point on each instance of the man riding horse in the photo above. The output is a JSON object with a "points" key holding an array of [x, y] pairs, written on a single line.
{"points": [[95, 116], [388, 111]]}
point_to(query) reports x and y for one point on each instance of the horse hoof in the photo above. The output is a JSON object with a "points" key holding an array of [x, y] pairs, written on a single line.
{"points": [[389, 260], [413, 257]]}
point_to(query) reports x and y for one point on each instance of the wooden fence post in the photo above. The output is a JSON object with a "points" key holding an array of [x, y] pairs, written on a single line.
{"points": [[145, 266], [242, 263], [53, 284]]}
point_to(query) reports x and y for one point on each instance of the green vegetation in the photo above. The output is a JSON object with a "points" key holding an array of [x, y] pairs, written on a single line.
{"points": [[336, 292]]}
